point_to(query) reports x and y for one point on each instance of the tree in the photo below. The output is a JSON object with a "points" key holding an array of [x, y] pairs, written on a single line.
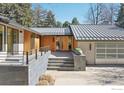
{"points": [[120, 18], [21, 13], [94, 13], [66, 24], [50, 20], [58, 24], [102, 13], [75, 21], [39, 16]]}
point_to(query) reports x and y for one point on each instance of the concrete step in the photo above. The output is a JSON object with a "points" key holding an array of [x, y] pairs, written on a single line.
{"points": [[60, 64], [61, 68], [65, 59]]}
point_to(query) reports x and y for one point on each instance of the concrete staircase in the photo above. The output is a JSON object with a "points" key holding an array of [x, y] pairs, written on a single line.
{"points": [[61, 64], [10, 59]]}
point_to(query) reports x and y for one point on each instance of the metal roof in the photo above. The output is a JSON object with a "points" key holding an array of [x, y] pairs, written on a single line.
{"points": [[97, 32], [53, 31], [15, 24]]}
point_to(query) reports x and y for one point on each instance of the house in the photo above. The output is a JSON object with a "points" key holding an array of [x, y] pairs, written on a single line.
{"points": [[102, 44], [16, 38], [59, 39]]}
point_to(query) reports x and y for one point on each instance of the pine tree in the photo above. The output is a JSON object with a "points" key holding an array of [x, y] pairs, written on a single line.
{"points": [[50, 20], [66, 24], [75, 21], [120, 19], [21, 13]]}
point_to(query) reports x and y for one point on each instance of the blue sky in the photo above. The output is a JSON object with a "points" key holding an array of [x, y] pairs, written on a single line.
{"points": [[65, 12]]}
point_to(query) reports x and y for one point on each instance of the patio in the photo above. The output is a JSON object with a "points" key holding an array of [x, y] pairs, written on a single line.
{"points": [[97, 75], [61, 55]]}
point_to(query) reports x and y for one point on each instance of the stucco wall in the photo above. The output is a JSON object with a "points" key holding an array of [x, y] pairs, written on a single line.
{"points": [[90, 54]]}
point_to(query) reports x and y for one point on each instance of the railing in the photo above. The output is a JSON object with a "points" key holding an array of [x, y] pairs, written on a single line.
{"points": [[24, 56], [35, 53]]}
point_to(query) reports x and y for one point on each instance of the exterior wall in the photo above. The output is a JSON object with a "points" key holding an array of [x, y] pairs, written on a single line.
{"points": [[37, 68], [90, 54], [48, 41], [21, 39], [51, 41], [13, 75], [27, 41], [37, 42], [75, 44]]}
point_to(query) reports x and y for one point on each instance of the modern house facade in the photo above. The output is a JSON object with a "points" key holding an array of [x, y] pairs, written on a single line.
{"points": [[15, 38], [102, 44]]}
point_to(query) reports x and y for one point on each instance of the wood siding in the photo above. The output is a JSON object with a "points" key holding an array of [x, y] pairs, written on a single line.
{"points": [[27, 41], [51, 42]]}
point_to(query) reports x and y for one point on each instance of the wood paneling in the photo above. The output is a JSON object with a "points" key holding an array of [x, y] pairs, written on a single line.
{"points": [[37, 42], [27, 41], [51, 41]]}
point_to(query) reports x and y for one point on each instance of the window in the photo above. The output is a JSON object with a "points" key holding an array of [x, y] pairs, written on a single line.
{"points": [[109, 50]]}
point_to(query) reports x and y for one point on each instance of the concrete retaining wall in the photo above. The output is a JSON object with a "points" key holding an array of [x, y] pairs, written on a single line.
{"points": [[24, 75], [13, 75], [79, 62], [37, 68]]}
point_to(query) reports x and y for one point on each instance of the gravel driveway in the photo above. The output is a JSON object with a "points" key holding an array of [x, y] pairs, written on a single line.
{"points": [[92, 76]]}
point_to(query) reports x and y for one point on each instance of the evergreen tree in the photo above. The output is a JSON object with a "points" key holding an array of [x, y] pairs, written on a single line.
{"points": [[120, 19], [66, 24], [50, 20], [39, 15], [21, 13], [58, 24], [75, 21]]}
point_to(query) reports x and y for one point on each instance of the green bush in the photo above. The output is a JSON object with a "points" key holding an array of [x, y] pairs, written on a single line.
{"points": [[77, 51]]}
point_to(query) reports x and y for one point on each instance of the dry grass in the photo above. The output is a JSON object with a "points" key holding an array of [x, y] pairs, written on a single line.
{"points": [[46, 80]]}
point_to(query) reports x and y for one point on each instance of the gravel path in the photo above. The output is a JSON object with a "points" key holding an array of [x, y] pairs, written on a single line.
{"points": [[92, 76]]}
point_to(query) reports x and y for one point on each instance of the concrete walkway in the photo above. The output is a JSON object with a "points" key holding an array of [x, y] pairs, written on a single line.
{"points": [[92, 76]]}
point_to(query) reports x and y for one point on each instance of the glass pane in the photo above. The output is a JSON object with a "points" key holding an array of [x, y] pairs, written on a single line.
{"points": [[100, 45], [10, 40], [121, 45], [120, 50], [120, 55], [100, 56], [111, 56], [100, 50], [110, 50], [110, 45]]}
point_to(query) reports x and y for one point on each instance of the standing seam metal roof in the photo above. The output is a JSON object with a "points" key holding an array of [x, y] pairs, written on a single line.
{"points": [[97, 32], [53, 31]]}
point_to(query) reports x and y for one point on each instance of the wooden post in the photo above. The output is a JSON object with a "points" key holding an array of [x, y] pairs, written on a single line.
{"points": [[36, 54], [27, 58]]}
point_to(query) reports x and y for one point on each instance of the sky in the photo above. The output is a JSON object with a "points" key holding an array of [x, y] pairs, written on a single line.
{"points": [[66, 12]]}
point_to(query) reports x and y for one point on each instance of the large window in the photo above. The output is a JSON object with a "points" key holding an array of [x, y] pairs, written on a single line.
{"points": [[109, 50]]}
